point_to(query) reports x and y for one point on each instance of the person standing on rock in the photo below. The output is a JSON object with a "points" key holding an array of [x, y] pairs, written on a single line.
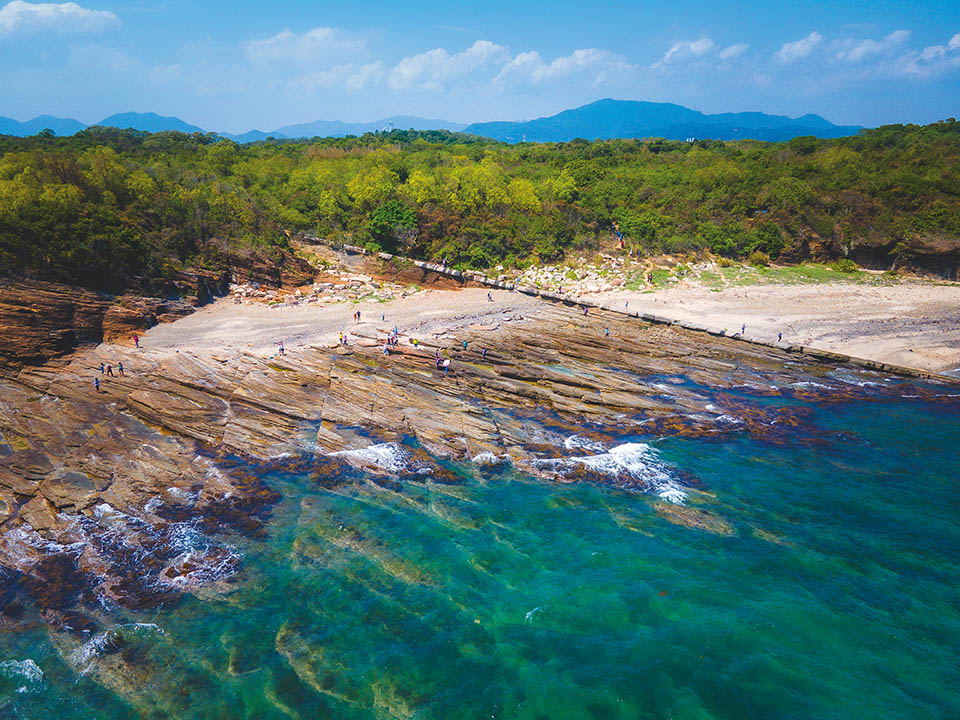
{"points": [[484, 353], [779, 336], [101, 369], [489, 297], [120, 368], [280, 347], [136, 341], [110, 370], [96, 384], [606, 332]]}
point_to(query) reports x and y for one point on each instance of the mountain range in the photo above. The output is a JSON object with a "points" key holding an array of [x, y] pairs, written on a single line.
{"points": [[606, 119], [600, 120]]}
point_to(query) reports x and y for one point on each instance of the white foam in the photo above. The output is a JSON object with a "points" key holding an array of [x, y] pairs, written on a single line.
{"points": [[84, 657], [26, 669], [486, 459], [530, 615], [636, 461], [575, 442], [389, 457]]}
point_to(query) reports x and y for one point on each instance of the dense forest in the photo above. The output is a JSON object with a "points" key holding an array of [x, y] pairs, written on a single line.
{"points": [[106, 208]]}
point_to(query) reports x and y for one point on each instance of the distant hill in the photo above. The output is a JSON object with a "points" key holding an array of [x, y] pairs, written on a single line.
{"points": [[597, 121], [606, 119], [252, 136], [61, 126], [338, 128], [149, 122]]}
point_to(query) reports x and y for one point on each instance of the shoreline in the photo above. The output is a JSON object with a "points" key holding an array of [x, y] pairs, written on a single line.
{"points": [[836, 323]]}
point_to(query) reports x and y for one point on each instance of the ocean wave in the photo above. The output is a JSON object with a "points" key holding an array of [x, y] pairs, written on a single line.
{"points": [[85, 657], [26, 669], [387, 457], [631, 465], [578, 442], [488, 459]]}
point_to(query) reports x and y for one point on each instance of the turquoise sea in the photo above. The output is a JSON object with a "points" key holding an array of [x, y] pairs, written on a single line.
{"points": [[833, 593]]}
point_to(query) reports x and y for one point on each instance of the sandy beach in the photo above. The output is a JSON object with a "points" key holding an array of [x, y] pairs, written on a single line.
{"points": [[913, 324]]}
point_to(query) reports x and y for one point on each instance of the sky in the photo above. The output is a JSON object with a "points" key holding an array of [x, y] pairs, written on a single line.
{"points": [[233, 66]]}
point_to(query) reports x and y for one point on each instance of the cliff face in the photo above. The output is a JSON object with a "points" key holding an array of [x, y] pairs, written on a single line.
{"points": [[40, 321], [928, 255]]}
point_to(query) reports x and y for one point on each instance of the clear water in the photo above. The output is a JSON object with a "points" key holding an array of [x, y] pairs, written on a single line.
{"points": [[509, 597]]}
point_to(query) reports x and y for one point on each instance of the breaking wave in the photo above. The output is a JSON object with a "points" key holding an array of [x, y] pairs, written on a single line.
{"points": [[633, 466], [386, 457], [26, 669]]}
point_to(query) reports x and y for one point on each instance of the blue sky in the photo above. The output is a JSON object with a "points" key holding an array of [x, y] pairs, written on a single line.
{"points": [[234, 66]]}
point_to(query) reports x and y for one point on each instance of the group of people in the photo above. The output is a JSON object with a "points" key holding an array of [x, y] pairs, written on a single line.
{"points": [[106, 369], [393, 339], [441, 362], [356, 317]]}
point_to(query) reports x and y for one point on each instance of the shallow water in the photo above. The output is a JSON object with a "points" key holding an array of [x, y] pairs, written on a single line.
{"points": [[836, 596]]}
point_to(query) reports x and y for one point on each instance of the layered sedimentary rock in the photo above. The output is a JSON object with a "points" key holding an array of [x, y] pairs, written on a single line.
{"points": [[121, 497], [40, 321]]}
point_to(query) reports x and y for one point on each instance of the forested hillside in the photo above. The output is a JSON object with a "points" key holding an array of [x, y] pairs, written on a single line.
{"points": [[105, 207]]}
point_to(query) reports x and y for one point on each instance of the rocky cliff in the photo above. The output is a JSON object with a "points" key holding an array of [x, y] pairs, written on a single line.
{"points": [[41, 320]]}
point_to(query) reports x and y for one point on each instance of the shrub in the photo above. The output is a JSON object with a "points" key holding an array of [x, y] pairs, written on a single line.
{"points": [[845, 265], [724, 262], [758, 259]]}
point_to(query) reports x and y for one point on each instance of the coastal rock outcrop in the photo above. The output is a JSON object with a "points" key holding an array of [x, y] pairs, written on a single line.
{"points": [[40, 320]]}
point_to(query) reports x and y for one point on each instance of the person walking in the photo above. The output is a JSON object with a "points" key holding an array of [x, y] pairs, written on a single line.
{"points": [[96, 384], [110, 370], [136, 341], [102, 369], [120, 368]]}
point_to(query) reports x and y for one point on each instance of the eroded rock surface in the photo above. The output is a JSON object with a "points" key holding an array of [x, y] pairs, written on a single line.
{"points": [[124, 496]]}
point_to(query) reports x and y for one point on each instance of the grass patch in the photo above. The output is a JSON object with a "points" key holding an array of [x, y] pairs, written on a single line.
{"points": [[660, 277]]}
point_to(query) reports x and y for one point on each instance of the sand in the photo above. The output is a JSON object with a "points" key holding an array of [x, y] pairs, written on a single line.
{"points": [[257, 328], [913, 324]]}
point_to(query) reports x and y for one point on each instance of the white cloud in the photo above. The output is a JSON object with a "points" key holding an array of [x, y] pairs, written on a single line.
{"points": [[65, 18], [322, 44], [857, 51], [686, 50], [932, 60], [599, 66], [167, 73], [349, 76], [733, 51], [432, 69], [799, 49]]}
